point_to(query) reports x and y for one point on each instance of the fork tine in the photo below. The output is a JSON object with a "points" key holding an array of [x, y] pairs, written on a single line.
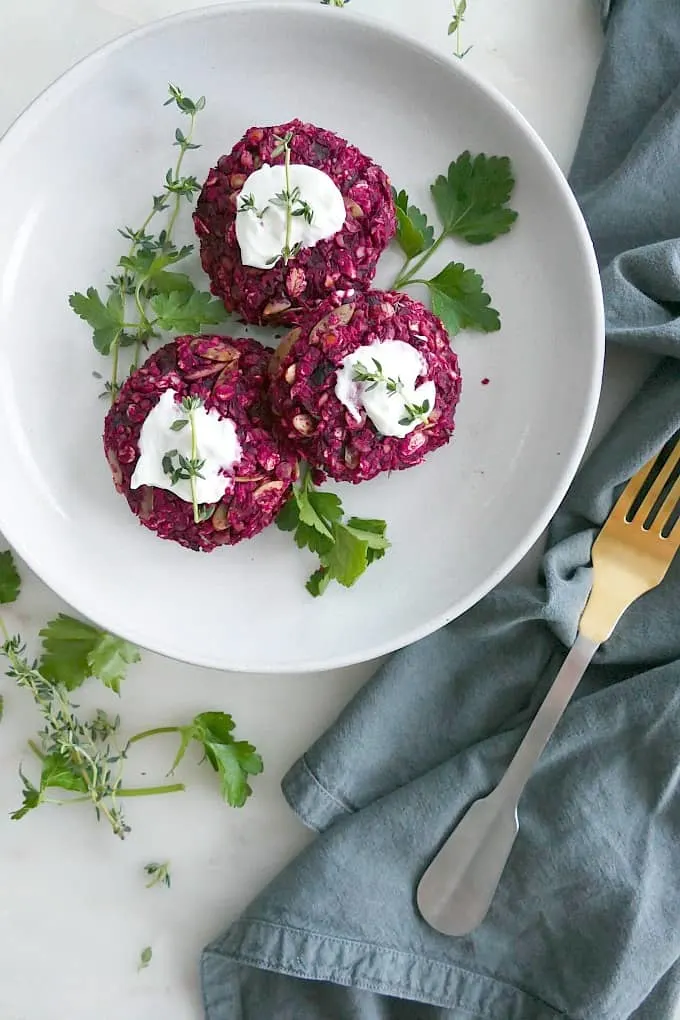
{"points": [[627, 497], [666, 512], [658, 485]]}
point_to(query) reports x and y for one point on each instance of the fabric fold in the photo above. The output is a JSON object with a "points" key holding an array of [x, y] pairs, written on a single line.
{"points": [[584, 924]]}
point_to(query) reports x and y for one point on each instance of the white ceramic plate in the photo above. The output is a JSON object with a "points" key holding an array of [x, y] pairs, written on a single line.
{"points": [[85, 159]]}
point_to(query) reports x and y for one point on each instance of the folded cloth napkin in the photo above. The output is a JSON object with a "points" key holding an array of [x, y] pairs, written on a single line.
{"points": [[586, 921]]}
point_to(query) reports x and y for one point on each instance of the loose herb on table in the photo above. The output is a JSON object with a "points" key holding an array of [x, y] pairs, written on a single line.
{"points": [[84, 758], [145, 294], [145, 958], [159, 874], [345, 547], [472, 205], [234, 760], [459, 9]]}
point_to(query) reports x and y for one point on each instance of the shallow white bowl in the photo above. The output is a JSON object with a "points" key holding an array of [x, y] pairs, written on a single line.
{"points": [[86, 157]]}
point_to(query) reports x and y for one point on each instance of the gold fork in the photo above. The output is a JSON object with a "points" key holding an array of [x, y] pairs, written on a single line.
{"points": [[630, 556]]}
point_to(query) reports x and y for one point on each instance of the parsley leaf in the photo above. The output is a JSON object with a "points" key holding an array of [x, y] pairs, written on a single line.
{"points": [[326, 504], [312, 539], [148, 264], [165, 282], [318, 582], [345, 548], [10, 582], [460, 301], [145, 958], [110, 658], [471, 202], [177, 312], [310, 509], [32, 798], [414, 233], [346, 561], [234, 760], [106, 319], [374, 533], [57, 771], [74, 651], [471, 199], [289, 516]]}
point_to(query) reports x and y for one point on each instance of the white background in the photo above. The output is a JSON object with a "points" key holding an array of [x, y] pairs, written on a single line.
{"points": [[74, 912]]}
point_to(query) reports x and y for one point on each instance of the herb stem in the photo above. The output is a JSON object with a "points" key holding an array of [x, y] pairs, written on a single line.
{"points": [[289, 211], [122, 290], [178, 166], [36, 750], [413, 412], [194, 458], [125, 279], [114, 365], [152, 733], [150, 791], [406, 275], [142, 324]]}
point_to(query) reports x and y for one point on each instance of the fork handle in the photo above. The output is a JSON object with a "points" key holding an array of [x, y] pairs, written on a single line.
{"points": [[546, 719]]}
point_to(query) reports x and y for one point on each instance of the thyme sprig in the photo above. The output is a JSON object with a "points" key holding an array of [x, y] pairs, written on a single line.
{"points": [[180, 468], [412, 412], [290, 200], [145, 295], [84, 758], [459, 9], [248, 205], [80, 757], [159, 874]]}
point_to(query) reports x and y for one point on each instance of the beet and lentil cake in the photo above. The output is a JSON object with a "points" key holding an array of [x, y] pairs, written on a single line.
{"points": [[344, 262], [304, 373], [230, 376]]}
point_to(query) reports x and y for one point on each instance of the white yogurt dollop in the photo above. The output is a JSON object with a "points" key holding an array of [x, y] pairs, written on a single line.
{"points": [[216, 443], [399, 362], [261, 222]]}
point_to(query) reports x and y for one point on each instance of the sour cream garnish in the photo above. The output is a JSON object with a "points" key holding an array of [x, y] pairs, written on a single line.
{"points": [[261, 222], [398, 361], [216, 444]]}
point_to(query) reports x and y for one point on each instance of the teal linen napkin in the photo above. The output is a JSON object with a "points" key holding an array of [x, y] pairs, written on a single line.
{"points": [[586, 922]]}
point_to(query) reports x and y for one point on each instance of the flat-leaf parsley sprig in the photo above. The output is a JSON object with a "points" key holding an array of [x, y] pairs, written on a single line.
{"points": [[145, 294], [376, 376], [345, 547], [83, 758], [234, 760], [472, 205]]}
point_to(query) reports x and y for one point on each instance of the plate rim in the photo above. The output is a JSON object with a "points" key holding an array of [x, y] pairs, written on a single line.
{"points": [[594, 298]]}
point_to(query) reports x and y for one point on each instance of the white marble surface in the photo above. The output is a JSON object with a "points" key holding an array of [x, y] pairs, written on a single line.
{"points": [[74, 912]]}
